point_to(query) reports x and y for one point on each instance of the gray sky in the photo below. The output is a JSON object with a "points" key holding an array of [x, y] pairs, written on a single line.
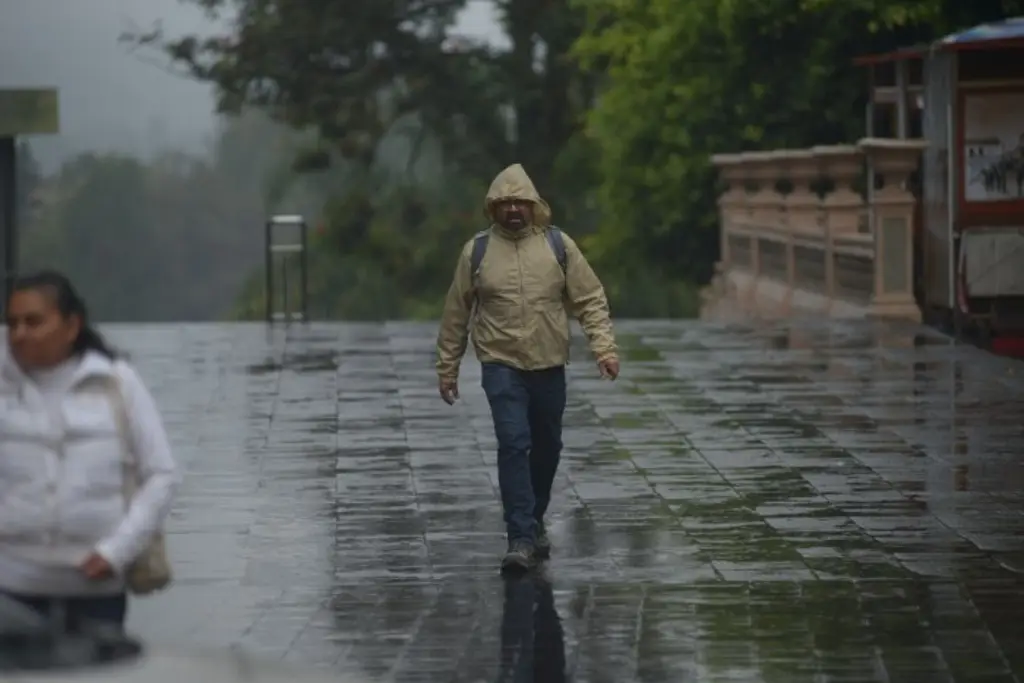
{"points": [[110, 98]]}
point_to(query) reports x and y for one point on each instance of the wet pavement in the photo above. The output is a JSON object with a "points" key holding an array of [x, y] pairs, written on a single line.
{"points": [[838, 502]]}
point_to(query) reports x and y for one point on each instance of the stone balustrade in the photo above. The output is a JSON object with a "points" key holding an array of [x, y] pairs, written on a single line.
{"points": [[798, 236]]}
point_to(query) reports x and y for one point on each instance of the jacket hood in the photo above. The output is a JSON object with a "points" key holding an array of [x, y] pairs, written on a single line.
{"points": [[514, 183]]}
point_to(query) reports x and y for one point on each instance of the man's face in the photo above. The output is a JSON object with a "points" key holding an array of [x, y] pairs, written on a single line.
{"points": [[514, 214]]}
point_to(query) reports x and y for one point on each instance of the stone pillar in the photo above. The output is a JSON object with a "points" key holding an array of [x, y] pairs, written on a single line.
{"points": [[755, 218], [801, 205], [768, 219], [732, 202], [801, 168], [892, 219], [841, 208], [732, 215], [765, 202]]}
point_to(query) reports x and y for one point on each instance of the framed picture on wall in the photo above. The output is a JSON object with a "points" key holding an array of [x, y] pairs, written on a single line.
{"points": [[993, 153]]}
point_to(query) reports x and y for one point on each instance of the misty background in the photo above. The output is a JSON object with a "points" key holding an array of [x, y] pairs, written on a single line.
{"points": [[115, 97], [152, 203], [155, 206]]}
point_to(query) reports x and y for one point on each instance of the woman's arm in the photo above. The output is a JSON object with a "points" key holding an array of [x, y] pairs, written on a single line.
{"points": [[158, 473]]}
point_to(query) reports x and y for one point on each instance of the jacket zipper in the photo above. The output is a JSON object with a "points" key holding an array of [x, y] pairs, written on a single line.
{"points": [[522, 292], [54, 484]]}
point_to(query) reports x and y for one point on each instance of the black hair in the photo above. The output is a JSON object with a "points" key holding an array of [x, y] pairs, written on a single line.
{"points": [[69, 303]]}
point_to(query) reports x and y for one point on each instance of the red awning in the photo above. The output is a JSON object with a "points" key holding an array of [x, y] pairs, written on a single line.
{"points": [[904, 53]]}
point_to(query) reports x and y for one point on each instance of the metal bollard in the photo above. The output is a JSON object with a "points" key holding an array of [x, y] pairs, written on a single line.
{"points": [[286, 243]]}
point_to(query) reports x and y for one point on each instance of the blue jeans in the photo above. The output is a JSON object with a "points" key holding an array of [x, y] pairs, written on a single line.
{"points": [[527, 408]]}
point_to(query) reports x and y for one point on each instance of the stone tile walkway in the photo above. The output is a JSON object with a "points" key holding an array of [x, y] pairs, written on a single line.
{"points": [[801, 503]]}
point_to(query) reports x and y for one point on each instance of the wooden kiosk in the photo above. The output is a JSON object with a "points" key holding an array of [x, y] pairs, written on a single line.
{"points": [[964, 95]]}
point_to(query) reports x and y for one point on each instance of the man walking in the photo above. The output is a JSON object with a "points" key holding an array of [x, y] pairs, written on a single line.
{"points": [[514, 286]]}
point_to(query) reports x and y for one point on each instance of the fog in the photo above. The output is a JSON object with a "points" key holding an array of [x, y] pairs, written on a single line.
{"points": [[114, 99]]}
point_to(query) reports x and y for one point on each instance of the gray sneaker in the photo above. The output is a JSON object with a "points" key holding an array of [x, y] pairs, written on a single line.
{"points": [[543, 544], [520, 556]]}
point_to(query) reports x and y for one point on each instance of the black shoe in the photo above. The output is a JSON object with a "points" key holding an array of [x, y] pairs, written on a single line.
{"points": [[543, 544], [520, 556]]}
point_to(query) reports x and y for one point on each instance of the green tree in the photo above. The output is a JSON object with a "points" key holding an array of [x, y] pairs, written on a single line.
{"points": [[380, 248], [379, 85], [350, 70], [355, 71], [99, 195], [689, 79]]}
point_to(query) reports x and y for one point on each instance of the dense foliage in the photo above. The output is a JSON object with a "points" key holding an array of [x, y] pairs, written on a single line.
{"points": [[685, 80], [373, 72], [613, 107]]}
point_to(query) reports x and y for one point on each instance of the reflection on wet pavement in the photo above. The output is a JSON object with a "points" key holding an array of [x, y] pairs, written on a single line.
{"points": [[802, 503]]}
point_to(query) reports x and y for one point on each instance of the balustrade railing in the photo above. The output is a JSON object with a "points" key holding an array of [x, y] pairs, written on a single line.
{"points": [[798, 235]]}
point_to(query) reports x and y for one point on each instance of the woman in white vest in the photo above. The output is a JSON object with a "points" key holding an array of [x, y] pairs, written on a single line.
{"points": [[68, 532]]}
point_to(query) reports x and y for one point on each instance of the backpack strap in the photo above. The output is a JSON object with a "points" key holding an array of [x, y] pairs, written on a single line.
{"points": [[480, 242], [554, 236]]}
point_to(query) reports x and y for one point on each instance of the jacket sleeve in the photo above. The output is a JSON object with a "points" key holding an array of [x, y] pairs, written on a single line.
{"points": [[458, 307], [588, 302], [158, 473]]}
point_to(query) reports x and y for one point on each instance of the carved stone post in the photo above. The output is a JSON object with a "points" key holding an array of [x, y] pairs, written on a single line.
{"points": [[800, 168], [892, 217], [842, 207], [732, 215], [732, 201], [794, 167], [756, 216], [768, 214]]}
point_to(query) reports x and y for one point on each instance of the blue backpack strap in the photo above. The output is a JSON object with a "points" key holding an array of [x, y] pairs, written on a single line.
{"points": [[479, 249], [554, 236]]}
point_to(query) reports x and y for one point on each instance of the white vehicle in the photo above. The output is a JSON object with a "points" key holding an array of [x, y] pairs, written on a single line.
{"points": [[33, 651]]}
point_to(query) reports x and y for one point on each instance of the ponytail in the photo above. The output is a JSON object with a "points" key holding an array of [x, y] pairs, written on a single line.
{"points": [[89, 339]]}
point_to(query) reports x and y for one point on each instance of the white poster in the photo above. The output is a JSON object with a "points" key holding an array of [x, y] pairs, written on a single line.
{"points": [[994, 147]]}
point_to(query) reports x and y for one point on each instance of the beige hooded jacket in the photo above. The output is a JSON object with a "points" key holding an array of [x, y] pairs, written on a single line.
{"points": [[522, 297]]}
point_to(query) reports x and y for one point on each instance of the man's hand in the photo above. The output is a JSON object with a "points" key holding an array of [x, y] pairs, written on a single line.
{"points": [[96, 568], [609, 367], [449, 389]]}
